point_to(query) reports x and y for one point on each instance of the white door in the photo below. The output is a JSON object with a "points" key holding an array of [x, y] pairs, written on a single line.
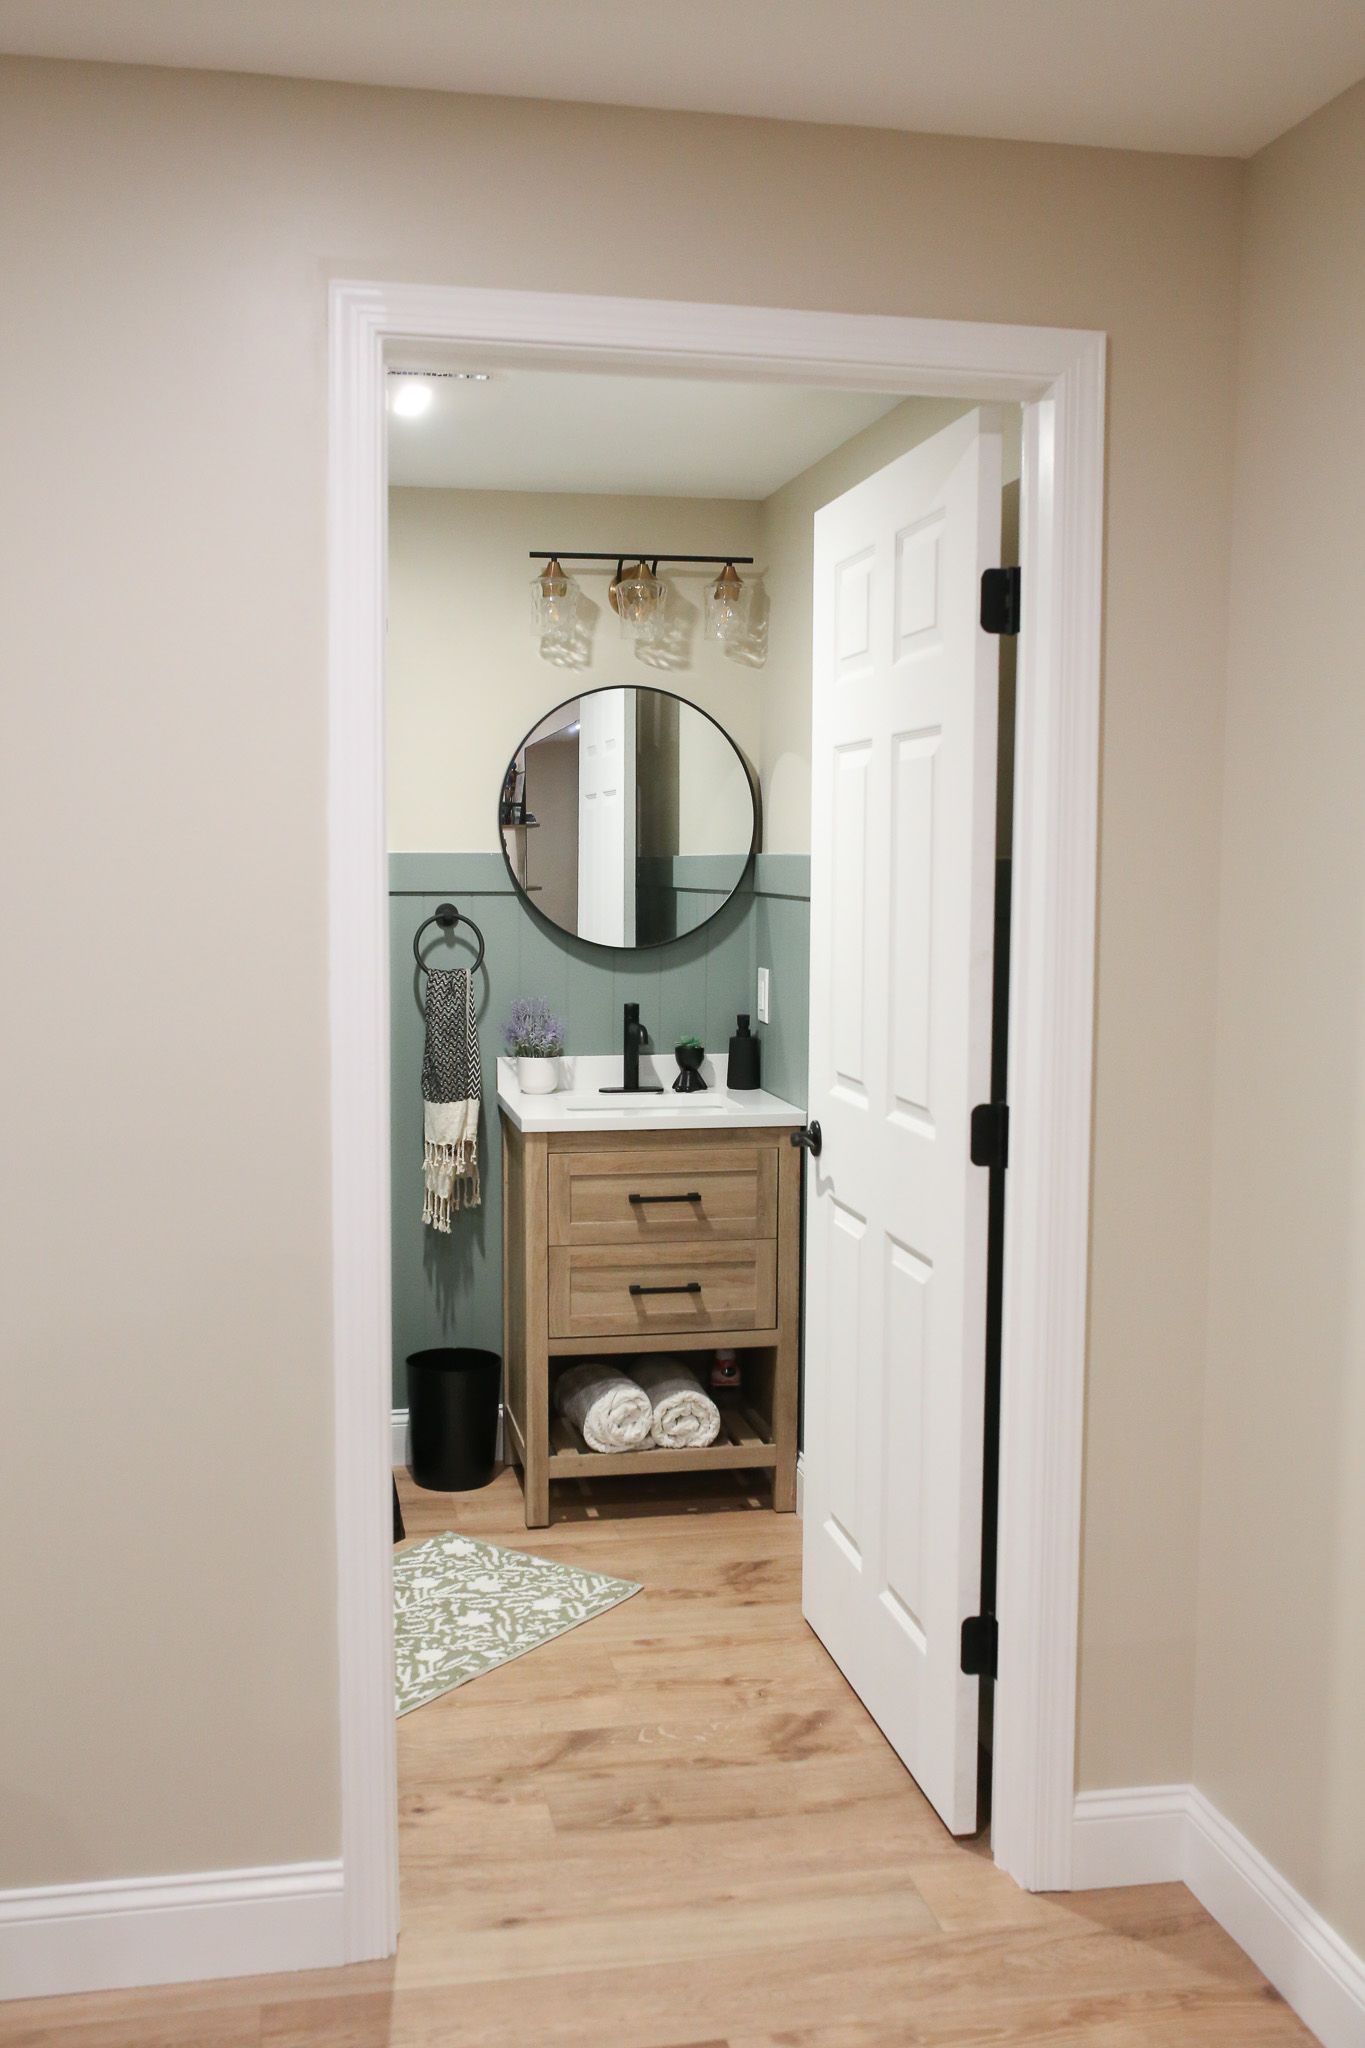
{"points": [[902, 879], [606, 817]]}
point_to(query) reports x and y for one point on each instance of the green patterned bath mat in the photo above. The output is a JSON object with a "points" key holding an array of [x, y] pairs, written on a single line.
{"points": [[460, 1607]]}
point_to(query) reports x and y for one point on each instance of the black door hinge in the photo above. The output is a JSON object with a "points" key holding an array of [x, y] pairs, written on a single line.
{"points": [[1001, 591], [980, 1646], [991, 1134]]}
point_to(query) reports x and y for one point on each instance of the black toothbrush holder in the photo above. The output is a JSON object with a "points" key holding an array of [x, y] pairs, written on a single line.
{"points": [[689, 1056]]}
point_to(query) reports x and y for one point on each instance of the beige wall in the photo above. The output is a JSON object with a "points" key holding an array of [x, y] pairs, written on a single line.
{"points": [[467, 677], [1280, 1738], [165, 244]]}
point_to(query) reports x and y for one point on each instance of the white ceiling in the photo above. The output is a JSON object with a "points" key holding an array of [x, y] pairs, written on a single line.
{"points": [[1219, 77], [636, 436]]}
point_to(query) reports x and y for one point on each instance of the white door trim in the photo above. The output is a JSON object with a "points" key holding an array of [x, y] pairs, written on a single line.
{"points": [[1059, 376]]}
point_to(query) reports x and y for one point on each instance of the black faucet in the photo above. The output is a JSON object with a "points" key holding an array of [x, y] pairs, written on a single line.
{"points": [[633, 1038]]}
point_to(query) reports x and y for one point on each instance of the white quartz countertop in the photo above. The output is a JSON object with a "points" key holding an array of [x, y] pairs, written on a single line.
{"points": [[577, 1104]]}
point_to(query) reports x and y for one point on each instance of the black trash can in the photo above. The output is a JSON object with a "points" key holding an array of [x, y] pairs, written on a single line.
{"points": [[453, 1417]]}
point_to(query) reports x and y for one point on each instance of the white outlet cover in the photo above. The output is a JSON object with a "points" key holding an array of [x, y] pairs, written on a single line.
{"points": [[763, 995]]}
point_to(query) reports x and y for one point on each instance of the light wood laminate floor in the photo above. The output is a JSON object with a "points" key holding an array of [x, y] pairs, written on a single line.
{"points": [[677, 1828]]}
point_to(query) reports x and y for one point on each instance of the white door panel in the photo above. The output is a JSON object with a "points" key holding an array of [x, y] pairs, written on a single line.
{"points": [[606, 817], [902, 884]]}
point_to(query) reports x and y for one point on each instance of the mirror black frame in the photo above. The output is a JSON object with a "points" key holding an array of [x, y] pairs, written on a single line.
{"points": [[654, 945]]}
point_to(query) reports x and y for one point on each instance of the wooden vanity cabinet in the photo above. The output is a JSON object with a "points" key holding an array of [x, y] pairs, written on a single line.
{"points": [[628, 1242]]}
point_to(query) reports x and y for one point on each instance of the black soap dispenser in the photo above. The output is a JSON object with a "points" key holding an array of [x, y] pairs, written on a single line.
{"points": [[742, 1070]]}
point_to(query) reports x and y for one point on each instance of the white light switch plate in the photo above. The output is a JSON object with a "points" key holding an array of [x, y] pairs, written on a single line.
{"points": [[763, 995]]}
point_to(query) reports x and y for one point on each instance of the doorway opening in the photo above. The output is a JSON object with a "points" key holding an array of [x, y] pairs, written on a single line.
{"points": [[660, 850], [1060, 382]]}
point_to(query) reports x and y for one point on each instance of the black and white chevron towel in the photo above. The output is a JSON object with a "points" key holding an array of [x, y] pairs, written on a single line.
{"points": [[452, 1081]]}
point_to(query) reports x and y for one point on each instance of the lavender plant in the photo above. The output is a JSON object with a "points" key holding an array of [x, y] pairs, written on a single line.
{"points": [[532, 1031]]}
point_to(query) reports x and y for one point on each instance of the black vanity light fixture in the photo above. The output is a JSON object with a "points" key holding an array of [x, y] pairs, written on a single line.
{"points": [[638, 596]]}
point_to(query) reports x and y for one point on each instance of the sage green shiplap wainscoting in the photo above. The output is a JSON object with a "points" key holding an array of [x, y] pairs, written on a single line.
{"points": [[448, 1290]]}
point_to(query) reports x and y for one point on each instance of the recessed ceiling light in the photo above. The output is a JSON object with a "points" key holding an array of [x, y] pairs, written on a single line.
{"points": [[412, 399]]}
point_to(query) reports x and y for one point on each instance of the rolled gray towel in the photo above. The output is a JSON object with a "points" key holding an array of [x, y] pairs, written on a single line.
{"points": [[684, 1415], [608, 1409]]}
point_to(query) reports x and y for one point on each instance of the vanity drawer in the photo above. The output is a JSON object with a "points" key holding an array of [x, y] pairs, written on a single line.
{"points": [[709, 1287], [706, 1193]]}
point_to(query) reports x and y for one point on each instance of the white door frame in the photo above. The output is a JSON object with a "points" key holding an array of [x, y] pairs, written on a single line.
{"points": [[1058, 375]]}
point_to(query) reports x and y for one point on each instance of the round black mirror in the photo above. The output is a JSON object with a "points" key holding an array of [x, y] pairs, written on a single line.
{"points": [[627, 816]]}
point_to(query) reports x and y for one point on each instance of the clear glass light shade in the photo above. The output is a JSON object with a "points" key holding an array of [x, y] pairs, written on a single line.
{"points": [[554, 600], [636, 595], [727, 606], [652, 629]]}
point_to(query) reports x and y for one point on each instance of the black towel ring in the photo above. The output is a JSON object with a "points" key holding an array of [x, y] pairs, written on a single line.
{"points": [[447, 917]]}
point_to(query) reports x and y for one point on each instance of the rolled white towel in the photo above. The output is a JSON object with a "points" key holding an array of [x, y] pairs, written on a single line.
{"points": [[684, 1415], [606, 1406]]}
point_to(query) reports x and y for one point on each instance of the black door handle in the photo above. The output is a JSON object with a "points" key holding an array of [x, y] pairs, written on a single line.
{"points": [[688, 1287], [810, 1140], [693, 1197]]}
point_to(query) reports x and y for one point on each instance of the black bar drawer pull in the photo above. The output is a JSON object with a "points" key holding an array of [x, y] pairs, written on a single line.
{"points": [[688, 1287], [694, 1196]]}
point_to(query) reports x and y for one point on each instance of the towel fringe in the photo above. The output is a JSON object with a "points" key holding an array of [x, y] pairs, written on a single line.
{"points": [[451, 1177]]}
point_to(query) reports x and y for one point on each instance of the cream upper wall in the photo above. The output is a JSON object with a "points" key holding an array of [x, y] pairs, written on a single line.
{"points": [[166, 244], [467, 679], [1281, 1681]]}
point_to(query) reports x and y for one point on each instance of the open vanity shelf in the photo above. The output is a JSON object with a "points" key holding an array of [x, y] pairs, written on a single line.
{"points": [[710, 1219], [745, 1444]]}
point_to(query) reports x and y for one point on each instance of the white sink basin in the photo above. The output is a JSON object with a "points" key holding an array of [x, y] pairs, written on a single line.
{"points": [[580, 1104]]}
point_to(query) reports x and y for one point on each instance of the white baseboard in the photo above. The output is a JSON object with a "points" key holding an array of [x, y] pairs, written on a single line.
{"points": [[1306, 1960], [1157, 1833], [122, 1933], [398, 1455], [1132, 1837]]}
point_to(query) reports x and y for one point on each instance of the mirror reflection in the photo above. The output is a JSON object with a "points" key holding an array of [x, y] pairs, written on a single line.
{"points": [[627, 817]]}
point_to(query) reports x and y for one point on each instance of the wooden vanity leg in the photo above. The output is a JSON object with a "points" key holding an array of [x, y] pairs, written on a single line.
{"points": [[787, 1367], [535, 1481], [535, 1224], [524, 1315]]}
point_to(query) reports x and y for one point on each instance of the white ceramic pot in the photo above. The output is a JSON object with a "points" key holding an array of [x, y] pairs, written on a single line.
{"points": [[537, 1077]]}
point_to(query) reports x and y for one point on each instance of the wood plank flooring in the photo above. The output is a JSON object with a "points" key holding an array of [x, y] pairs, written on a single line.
{"points": [[677, 1828]]}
